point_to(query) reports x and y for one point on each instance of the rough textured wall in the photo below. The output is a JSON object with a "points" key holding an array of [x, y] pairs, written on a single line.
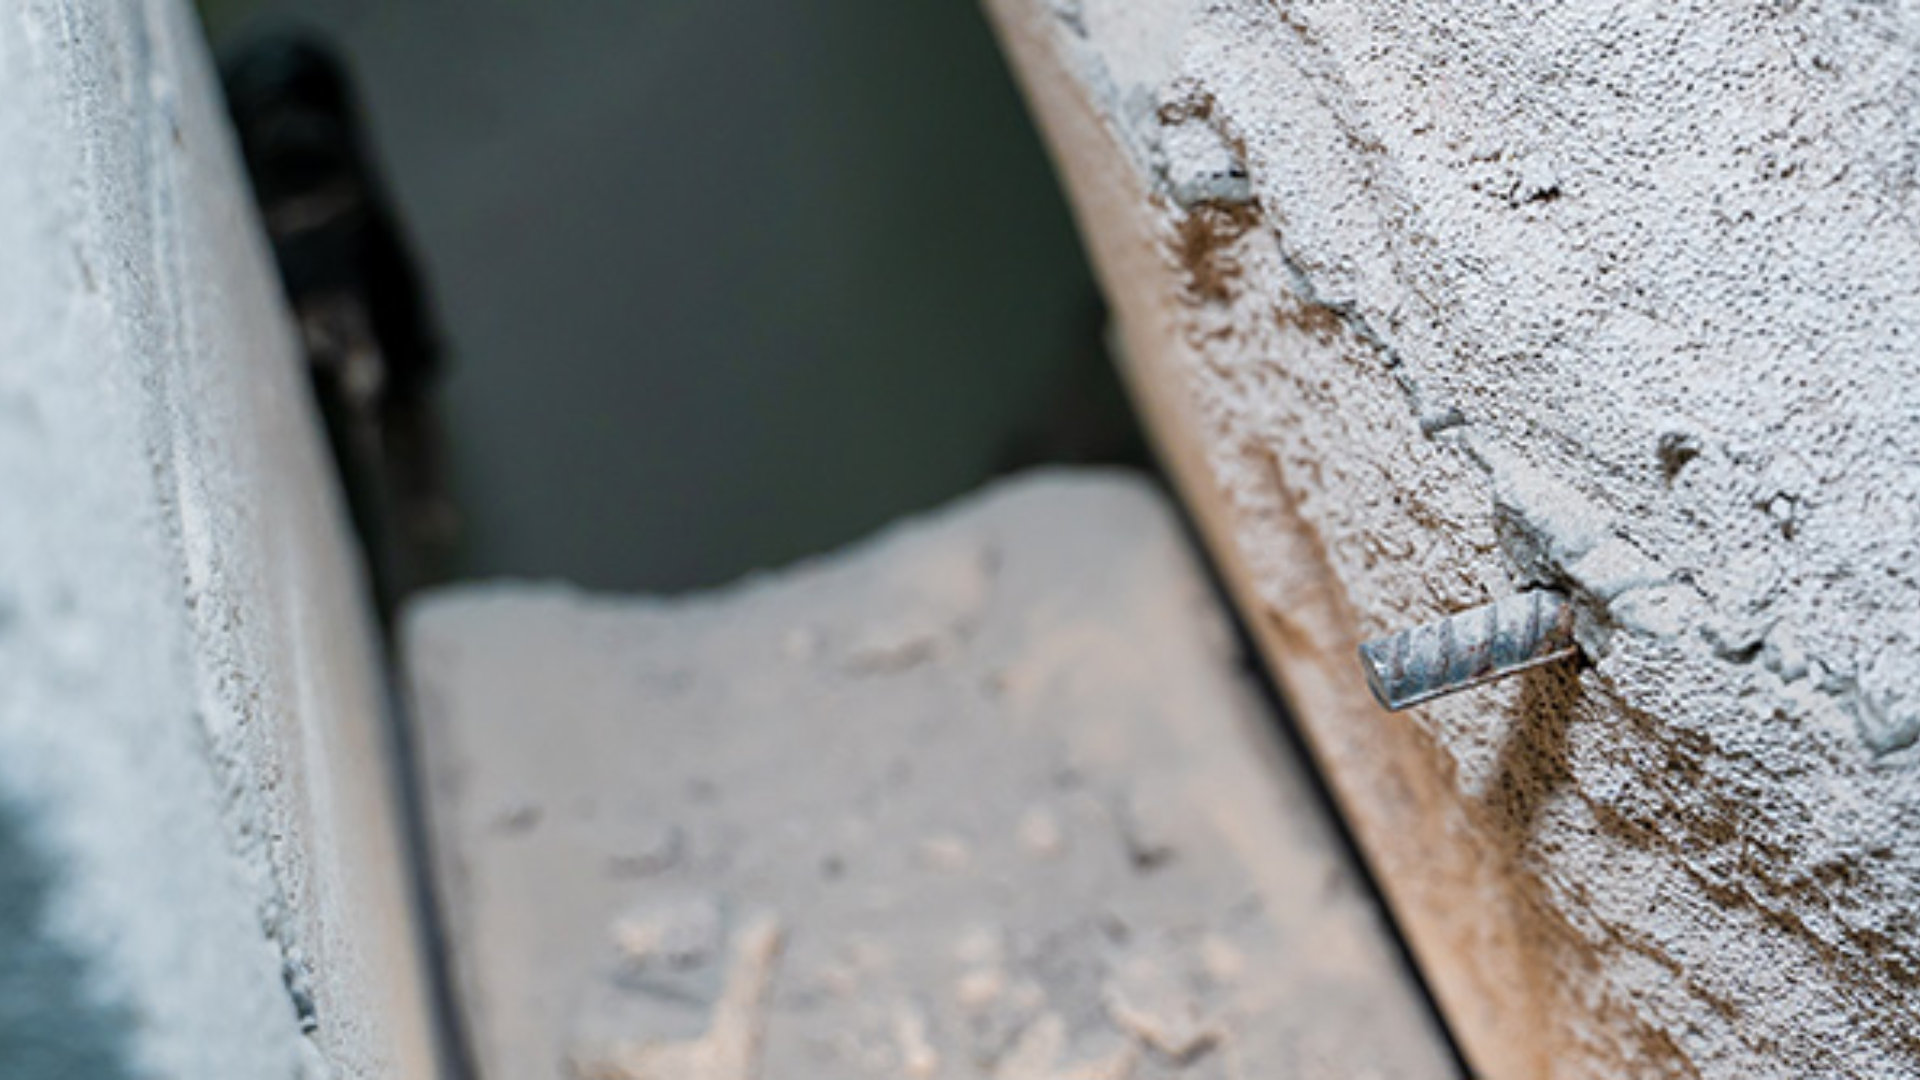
{"points": [[1434, 300], [200, 876]]}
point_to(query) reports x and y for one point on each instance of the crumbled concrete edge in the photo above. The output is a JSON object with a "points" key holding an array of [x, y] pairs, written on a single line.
{"points": [[1459, 299], [191, 724]]}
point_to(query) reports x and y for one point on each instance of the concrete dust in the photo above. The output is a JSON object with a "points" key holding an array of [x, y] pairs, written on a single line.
{"points": [[730, 1049], [991, 796]]}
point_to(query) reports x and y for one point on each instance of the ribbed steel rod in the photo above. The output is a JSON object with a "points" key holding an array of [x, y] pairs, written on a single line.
{"points": [[1469, 648]]}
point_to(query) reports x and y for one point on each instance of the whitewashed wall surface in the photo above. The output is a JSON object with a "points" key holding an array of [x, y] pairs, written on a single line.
{"points": [[199, 874]]}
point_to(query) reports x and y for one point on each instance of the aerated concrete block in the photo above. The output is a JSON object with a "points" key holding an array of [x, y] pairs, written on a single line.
{"points": [[199, 866]]}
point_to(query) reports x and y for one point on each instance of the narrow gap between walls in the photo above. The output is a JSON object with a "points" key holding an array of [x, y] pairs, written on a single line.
{"points": [[1319, 789]]}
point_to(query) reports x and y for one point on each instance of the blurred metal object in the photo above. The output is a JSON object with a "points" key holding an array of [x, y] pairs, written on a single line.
{"points": [[372, 348], [1475, 646]]}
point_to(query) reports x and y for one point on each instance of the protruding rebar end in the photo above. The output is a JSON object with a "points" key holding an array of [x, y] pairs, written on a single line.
{"points": [[1474, 646], [1374, 665]]}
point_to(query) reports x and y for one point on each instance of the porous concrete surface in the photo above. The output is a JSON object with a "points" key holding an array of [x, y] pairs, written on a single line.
{"points": [[1461, 297], [992, 795], [201, 878]]}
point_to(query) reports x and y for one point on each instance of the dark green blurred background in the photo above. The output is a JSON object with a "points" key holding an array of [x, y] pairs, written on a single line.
{"points": [[724, 283]]}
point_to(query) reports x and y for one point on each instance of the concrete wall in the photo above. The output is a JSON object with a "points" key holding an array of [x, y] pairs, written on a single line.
{"points": [[198, 873], [1433, 301]]}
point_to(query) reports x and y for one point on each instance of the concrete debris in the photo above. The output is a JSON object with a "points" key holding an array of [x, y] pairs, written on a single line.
{"points": [[1062, 843]]}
